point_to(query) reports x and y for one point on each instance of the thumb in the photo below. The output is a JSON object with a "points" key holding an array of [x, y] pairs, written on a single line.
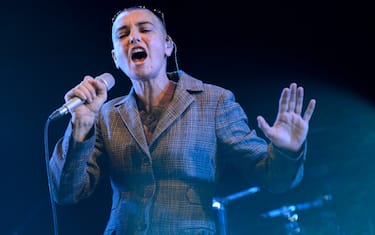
{"points": [[263, 125], [100, 87]]}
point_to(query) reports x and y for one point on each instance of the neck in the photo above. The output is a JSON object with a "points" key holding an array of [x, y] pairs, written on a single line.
{"points": [[150, 91]]}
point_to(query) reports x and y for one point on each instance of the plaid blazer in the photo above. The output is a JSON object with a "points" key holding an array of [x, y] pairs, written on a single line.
{"points": [[166, 187]]}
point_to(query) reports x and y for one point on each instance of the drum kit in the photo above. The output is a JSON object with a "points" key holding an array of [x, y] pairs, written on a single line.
{"points": [[290, 211]]}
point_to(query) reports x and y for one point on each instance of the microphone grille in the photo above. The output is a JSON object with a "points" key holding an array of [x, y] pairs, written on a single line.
{"points": [[107, 79]]}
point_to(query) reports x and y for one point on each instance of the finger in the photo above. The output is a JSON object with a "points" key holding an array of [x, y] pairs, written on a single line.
{"points": [[84, 90], [90, 84], [299, 100], [309, 110], [70, 94], [283, 101], [89, 90], [292, 97], [263, 125], [80, 92], [101, 87]]}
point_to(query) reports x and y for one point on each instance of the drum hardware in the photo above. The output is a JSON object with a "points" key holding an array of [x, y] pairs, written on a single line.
{"points": [[290, 213], [220, 204]]}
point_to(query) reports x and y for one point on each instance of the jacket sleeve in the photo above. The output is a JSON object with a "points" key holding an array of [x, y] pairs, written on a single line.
{"points": [[74, 167], [260, 163]]}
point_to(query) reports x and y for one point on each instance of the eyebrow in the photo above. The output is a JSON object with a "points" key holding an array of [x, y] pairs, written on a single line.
{"points": [[138, 24]]}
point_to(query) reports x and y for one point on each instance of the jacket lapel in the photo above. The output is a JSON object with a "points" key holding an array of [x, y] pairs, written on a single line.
{"points": [[128, 111], [180, 102]]}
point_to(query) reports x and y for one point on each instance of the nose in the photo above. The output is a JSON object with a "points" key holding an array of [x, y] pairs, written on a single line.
{"points": [[134, 37]]}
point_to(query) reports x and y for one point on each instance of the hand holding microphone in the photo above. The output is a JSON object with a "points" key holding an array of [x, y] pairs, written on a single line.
{"points": [[86, 98]]}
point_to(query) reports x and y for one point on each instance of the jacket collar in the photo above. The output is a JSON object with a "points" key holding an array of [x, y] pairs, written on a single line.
{"points": [[182, 99], [184, 82]]}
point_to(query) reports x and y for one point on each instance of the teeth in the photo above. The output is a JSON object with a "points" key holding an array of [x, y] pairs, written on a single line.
{"points": [[138, 50]]}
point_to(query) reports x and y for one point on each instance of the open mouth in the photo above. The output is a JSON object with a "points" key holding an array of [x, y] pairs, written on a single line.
{"points": [[138, 54]]}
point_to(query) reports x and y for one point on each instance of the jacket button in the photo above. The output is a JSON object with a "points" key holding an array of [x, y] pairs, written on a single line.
{"points": [[146, 161]]}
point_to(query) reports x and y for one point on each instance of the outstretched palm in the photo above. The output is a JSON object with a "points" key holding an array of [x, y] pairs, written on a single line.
{"points": [[290, 128]]}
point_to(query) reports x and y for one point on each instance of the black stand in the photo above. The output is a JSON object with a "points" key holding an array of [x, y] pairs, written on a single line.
{"points": [[220, 203], [290, 212]]}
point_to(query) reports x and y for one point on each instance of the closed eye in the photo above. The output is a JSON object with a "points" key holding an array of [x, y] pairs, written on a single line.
{"points": [[122, 32], [142, 27]]}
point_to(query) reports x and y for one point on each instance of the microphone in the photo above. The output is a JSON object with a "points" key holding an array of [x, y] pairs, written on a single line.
{"points": [[74, 102]]}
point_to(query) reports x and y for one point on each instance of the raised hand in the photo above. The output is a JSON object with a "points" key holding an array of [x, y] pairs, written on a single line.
{"points": [[290, 128]]}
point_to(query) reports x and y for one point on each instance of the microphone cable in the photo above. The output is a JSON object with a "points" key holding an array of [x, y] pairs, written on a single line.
{"points": [[46, 153]]}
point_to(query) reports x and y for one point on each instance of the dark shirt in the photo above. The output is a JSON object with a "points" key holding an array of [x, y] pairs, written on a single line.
{"points": [[151, 119]]}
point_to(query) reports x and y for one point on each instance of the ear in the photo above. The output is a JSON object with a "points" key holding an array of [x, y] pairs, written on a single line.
{"points": [[114, 58], [168, 45]]}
